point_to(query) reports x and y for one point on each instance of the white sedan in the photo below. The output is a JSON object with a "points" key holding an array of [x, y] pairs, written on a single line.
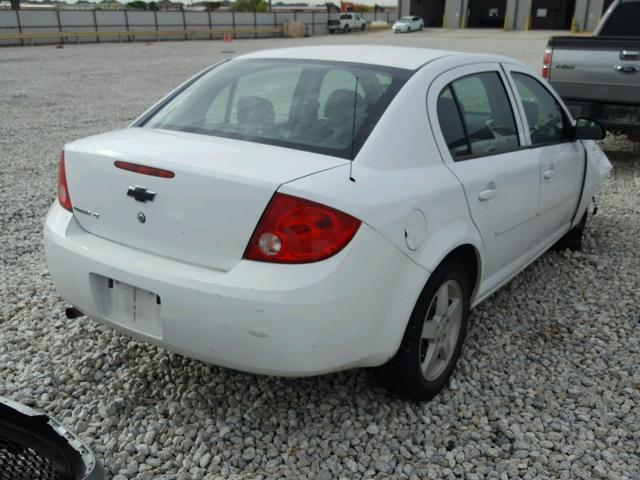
{"points": [[308, 210], [408, 24]]}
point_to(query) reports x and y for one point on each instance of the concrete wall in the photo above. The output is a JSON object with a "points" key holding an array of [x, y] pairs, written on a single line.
{"points": [[587, 13], [32, 21]]}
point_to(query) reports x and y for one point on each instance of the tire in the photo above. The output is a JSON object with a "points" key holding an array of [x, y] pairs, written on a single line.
{"points": [[421, 27], [346, 29], [363, 27], [422, 367], [572, 240], [331, 30]]}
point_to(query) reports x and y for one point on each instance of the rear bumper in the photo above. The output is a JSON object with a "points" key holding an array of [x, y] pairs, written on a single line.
{"points": [[612, 116], [295, 320]]}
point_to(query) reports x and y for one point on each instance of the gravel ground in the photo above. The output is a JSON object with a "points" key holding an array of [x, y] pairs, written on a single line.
{"points": [[548, 385]]}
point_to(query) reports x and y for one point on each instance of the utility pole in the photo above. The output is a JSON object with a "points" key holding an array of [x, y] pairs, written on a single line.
{"points": [[15, 4]]}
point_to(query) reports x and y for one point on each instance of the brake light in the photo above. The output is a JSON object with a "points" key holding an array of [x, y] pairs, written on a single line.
{"points": [[63, 189], [144, 170], [546, 63], [294, 230]]}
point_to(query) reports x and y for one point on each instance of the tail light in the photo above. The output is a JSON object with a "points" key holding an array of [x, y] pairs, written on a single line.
{"points": [[546, 63], [294, 230], [63, 189]]}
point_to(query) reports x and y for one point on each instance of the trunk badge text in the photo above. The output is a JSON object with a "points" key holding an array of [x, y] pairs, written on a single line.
{"points": [[84, 211], [141, 194]]}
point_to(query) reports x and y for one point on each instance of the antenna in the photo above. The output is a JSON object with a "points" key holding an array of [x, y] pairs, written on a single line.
{"points": [[353, 130]]}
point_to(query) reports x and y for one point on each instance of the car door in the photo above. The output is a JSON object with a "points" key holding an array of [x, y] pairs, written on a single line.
{"points": [[549, 134], [481, 139]]}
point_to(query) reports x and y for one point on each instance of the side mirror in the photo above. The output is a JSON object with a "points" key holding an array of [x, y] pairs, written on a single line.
{"points": [[588, 129]]}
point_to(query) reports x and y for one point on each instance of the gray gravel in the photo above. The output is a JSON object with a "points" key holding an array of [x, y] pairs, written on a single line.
{"points": [[548, 385]]}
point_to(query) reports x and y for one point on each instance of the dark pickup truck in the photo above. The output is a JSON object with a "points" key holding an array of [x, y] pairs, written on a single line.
{"points": [[599, 76]]}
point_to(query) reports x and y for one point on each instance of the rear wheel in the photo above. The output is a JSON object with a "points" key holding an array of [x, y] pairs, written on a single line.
{"points": [[433, 339], [363, 27], [331, 30], [346, 29]]}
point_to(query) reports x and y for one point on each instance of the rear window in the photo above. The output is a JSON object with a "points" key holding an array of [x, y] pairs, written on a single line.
{"points": [[316, 106], [624, 21]]}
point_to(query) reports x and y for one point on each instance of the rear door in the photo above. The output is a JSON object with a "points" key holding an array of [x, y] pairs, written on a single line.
{"points": [[482, 141], [549, 134]]}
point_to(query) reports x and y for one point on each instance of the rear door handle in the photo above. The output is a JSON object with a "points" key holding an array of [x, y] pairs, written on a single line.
{"points": [[627, 68], [489, 192], [629, 55], [550, 173]]}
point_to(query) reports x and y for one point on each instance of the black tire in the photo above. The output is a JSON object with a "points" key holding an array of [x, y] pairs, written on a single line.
{"points": [[403, 374], [346, 29], [331, 30], [363, 27], [421, 27], [572, 240]]}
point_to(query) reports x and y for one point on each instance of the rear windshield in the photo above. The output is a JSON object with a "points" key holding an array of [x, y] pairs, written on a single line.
{"points": [[316, 106], [624, 21]]}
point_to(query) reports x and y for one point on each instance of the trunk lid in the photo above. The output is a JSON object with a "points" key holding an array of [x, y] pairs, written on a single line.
{"points": [[205, 215]]}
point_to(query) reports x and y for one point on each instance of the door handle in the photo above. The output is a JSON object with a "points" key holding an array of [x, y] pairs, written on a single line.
{"points": [[550, 173], [489, 192], [627, 68], [629, 55]]}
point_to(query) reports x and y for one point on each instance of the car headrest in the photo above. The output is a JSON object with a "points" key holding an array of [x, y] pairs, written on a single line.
{"points": [[255, 110], [339, 105]]}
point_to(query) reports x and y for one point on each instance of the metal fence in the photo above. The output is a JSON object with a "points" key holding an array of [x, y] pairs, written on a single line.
{"points": [[22, 22]]}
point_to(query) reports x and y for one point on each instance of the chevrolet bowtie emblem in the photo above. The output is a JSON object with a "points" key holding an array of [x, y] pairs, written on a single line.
{"points": [[141, 194]]}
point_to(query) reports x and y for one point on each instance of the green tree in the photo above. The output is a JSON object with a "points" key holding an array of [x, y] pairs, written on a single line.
{"points": [[250, 6], [136, 5]]}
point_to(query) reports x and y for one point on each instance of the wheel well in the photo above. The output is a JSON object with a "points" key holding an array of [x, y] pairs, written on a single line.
{"points": [[470, 259]]}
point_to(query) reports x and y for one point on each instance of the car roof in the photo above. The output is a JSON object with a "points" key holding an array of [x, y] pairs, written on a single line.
{"points": [[399, 57]]}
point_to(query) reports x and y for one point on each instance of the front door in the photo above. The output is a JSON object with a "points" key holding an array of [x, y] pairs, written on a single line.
{"points": [[550, 136]]}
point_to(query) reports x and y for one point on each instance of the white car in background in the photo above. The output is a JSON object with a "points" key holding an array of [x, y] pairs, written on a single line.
{"points": [[347, 22], [307, 210], [408, 24]]}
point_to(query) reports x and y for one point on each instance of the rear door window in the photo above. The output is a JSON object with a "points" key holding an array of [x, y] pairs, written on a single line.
{"points": [[476, 117]]}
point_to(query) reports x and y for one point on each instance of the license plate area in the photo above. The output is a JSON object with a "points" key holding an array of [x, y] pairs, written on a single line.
{"points": [[132, 307]]}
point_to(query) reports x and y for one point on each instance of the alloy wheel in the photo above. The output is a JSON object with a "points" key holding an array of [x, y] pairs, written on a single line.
{"points": [[441, 329]]}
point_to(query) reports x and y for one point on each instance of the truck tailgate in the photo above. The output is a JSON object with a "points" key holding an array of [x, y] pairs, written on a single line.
{"points": [[599, 69]]}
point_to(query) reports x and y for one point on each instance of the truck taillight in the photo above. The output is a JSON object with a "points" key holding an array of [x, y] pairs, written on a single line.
{"points": [[295, 230], [546, 63], [63, 189]]}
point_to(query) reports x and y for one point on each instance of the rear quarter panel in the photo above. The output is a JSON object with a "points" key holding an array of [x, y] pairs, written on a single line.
{"points": [[398, 171]]}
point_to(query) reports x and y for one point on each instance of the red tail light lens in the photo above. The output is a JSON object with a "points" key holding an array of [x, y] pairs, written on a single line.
{"points": [[63, 189], [144, 170], [546, 63], [294, 230]]}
